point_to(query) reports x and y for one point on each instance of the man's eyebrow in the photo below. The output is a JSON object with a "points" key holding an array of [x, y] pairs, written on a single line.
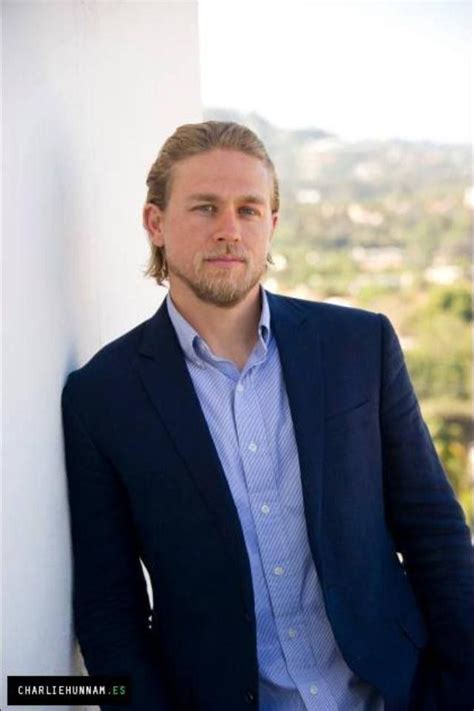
{"points": [[212, 197]]}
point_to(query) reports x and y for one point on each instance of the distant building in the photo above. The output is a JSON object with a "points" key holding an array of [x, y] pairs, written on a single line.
{"points": [[469, 198], [280, 262], [384, 280], [361, 216], [367, 171], [441, 207], [378, 258], [444, 274]]}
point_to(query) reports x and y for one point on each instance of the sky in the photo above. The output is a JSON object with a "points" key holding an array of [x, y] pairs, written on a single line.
{"points": [[361, 70]]}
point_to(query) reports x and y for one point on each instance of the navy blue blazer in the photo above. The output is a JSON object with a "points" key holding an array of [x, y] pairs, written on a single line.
{"points": [[145, 482]]}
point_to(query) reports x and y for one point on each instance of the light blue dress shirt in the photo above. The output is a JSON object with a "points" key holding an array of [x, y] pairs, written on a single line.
{"points": [[300, 665]]}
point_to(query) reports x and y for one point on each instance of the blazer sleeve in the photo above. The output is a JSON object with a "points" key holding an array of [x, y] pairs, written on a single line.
{"points": [[110, 601], [429, 528]]}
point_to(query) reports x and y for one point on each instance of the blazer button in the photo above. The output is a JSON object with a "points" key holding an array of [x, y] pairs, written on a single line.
{"points": [[250, 696]]}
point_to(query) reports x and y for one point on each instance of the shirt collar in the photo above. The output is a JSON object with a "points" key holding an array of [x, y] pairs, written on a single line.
{"points": [[192, 343]]}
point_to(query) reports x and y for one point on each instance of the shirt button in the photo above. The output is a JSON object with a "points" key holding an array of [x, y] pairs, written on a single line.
{"points": [[279, 570], [240, 388], [313, 689], [292, 633], [250, 696], [265, 509], [253, 447]]}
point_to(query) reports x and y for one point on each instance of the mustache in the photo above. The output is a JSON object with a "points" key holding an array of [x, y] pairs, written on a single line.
{"points": [[226, 252]]}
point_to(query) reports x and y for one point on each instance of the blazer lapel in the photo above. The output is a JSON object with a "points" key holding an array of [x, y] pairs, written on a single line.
{"points": [[164, 373], [299, 349]]}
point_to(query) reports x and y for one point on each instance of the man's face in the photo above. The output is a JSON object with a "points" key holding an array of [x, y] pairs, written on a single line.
{"points": [[217, 226]]}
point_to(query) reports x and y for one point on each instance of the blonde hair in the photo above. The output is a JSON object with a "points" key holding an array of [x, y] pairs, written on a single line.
{"points": [[190, 140]]}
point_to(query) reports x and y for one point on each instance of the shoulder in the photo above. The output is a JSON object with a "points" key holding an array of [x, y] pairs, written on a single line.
{"points": [[108, 367], [329, 318]]}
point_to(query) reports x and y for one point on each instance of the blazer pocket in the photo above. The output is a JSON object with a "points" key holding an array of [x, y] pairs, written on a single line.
{"points": [[348, 419]]}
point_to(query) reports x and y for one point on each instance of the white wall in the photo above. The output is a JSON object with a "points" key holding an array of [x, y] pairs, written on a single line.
{"points": [[91, 90]]}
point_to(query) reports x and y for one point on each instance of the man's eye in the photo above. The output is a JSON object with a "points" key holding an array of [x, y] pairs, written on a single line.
{"points": [[205, 208], [248, 210]]}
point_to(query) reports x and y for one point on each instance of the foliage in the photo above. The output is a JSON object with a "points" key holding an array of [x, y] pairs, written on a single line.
{"points": [[440, 363], [455, 300], [449, 437]]}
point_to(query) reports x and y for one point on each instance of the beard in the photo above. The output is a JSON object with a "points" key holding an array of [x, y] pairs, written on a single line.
{"points": [[220, 286]]}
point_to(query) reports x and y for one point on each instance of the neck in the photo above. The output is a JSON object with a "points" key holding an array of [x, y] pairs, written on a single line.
{"points": [[230, 332]]}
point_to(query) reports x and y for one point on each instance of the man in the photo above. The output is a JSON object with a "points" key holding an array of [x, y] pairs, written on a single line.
{"points": [[266, 459]]}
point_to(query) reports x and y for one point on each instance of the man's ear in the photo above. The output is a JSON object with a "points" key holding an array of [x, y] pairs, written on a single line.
{"points": [[153, 217], [275, 218]]}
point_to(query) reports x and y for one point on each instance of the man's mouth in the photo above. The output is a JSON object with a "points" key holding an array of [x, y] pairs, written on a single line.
{"points": [[225, 260]]}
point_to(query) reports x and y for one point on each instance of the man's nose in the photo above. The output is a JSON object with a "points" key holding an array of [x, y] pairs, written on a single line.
{"points": [[227, 227]]}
